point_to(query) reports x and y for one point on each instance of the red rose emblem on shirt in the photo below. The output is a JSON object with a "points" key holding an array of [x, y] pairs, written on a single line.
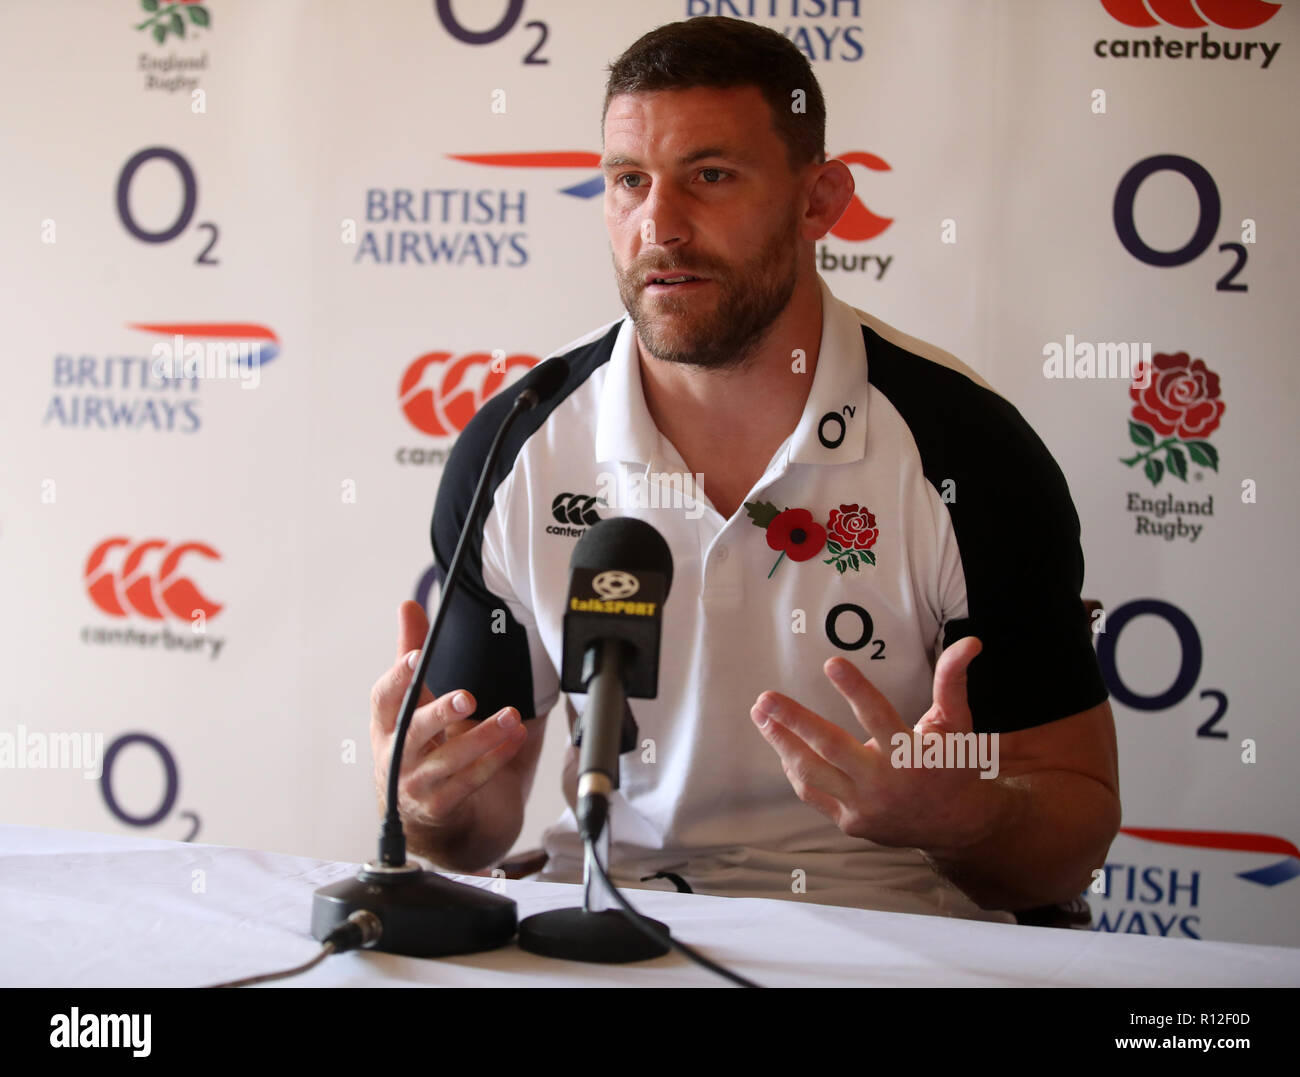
{"points": [[853, 528], [847, 536], [1180, 397]]}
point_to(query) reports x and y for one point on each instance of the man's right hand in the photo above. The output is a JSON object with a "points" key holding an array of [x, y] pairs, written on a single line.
{"points": [[446, 757]]}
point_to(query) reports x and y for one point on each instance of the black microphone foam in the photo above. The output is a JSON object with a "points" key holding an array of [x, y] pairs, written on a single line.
{"points": [[624, 543], [620, 573]]}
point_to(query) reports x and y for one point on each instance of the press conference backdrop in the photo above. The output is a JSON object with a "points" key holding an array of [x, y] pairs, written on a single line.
{"points": [[392, 210]]}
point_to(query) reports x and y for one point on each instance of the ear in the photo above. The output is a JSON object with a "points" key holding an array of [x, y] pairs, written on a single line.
{"points": [[830, 189]]}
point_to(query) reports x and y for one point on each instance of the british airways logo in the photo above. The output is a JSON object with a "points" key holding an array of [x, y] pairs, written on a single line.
{"points": [[560, 159], [1146, 898], [160, 391], [1280, 871], [443, 226]]}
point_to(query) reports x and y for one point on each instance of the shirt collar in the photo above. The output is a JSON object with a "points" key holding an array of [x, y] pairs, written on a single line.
{"points": [[625, 432], [839, 391]]}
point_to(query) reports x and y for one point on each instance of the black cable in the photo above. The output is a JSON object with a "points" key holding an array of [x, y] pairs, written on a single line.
{"points": [[392, 839], [325, 951], [641, 924], [363, 929], [360, 930]]}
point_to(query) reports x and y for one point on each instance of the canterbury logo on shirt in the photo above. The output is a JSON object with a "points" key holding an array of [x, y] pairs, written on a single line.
{"points": [[576, 509]]}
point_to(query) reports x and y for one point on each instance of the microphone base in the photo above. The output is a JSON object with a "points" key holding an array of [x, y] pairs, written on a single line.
{"points": [[606, 937], [424, 914]]}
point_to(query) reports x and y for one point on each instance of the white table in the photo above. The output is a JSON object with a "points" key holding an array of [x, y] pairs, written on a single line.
{"points": [[94, 910]]}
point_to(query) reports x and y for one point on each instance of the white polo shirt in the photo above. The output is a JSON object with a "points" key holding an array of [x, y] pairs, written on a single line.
{"points": [[950, 518]]}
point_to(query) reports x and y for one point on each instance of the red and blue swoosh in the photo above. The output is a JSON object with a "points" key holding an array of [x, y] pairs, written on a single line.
{"points": [[1234, 841], [259, 334], [589, 188]]}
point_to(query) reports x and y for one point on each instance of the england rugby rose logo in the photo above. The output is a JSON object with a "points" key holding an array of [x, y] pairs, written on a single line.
{"points": [[1176, 406], [853, 528], [848, 534]]}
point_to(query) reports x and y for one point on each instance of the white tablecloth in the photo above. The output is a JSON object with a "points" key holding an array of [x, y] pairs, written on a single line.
{"points": [[94, 910]]}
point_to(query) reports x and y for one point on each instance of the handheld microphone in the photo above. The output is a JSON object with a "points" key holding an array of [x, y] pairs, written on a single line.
{"points": [[423, 914], [620, 574]]}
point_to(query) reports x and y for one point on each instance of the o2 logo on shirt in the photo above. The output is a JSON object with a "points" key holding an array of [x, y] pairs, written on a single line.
{"points": [[832, 428], [857, 626]]}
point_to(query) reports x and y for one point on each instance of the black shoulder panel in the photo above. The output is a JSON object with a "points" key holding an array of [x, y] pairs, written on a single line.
{"points": [[473, 651], [1018, 535]]}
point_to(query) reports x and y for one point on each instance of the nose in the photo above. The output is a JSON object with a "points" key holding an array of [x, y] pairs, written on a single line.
{"points": [[664, 221]]}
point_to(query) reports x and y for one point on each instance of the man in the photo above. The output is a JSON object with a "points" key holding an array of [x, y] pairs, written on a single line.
{"points": [[861, 494]]}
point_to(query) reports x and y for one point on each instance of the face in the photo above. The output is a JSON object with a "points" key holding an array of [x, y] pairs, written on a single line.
{"points": [[698, 185]]}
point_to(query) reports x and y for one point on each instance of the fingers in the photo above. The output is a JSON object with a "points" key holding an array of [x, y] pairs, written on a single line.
{"points": [[875, 713], [950, 674], [810, 767], [445, 757], [435, 718], [445, 777], [388, 692], [412, 627], [825, 738]]}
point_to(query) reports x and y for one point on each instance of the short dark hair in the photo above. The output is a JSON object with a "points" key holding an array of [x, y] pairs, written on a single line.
{"points": [[716, 51]]}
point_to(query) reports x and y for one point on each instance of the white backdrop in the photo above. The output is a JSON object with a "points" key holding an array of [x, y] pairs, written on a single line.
{"points": [[998, 137]]}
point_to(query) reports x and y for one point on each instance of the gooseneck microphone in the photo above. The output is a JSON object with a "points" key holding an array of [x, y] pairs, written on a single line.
{"points": [[421, 913], [620, 574], [538, 386]]}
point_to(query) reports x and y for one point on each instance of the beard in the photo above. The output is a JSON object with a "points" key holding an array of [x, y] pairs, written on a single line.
{"points": [[721, 332]]}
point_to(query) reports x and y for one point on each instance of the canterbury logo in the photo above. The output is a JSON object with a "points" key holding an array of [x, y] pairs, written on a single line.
{"points": [[440, 392], [858, 222], [1189, 15], [576, 509], [131, 588]]}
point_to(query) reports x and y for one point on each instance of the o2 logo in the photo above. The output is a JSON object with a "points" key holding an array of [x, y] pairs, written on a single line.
{"points": [[171, 784], [503, 26], [865, 629], [840, 428], [1191, 654], [189, 203], [1207, 224]]}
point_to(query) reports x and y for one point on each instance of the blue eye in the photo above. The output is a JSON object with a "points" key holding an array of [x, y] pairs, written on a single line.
{"points": [[629, 176], [714, 171]]}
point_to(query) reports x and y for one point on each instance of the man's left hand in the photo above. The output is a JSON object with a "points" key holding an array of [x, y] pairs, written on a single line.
{"points": [[855, 785]]}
